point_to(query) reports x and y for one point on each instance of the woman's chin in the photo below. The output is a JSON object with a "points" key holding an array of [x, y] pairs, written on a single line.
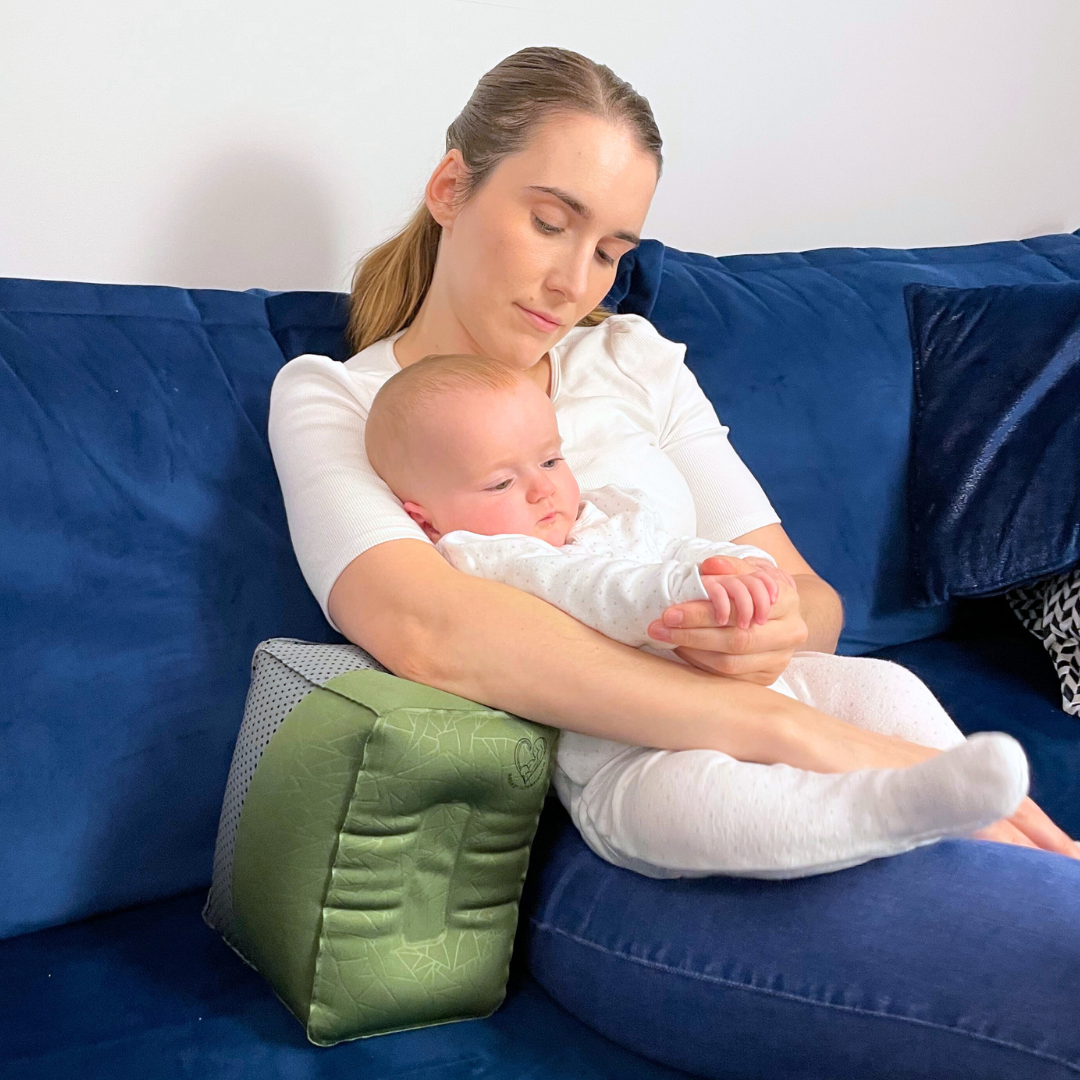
{"points": [[523, 346], [525, 352]]}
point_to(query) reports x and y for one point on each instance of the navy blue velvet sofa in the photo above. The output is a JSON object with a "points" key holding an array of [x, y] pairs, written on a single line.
{"points": [[144, 553]]}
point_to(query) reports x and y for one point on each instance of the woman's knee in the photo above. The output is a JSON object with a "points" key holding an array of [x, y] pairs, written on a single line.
{"points": [[955, 959]]}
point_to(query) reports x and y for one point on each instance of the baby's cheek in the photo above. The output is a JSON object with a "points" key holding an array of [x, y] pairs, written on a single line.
{"points": [[499, 516]]}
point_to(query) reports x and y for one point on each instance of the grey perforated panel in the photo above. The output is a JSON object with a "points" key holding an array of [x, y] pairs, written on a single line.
{"points": [[283, 672]]}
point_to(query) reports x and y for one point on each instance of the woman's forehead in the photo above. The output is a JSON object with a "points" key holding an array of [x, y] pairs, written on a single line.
{"points": [[598, 164]]}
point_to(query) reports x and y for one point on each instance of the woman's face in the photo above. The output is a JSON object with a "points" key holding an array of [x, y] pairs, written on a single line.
{"points": [[536, 247]]}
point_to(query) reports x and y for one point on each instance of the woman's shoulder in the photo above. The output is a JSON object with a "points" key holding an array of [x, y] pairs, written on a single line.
{"points": [[621, 348], [313, 377]]}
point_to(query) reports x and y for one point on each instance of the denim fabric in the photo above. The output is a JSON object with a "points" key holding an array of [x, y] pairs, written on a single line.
{"points": [[994, 481], [957, 960]]}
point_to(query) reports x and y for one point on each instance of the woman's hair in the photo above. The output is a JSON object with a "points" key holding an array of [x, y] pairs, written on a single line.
{"points": [[406, 396], [516, 95]]}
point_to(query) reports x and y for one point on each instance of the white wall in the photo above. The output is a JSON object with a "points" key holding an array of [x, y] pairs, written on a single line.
{"points": [[269, 142]]}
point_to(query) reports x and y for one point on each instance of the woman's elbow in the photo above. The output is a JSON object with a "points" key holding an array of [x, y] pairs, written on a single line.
{"points": [[401, 618], [398, 642]]}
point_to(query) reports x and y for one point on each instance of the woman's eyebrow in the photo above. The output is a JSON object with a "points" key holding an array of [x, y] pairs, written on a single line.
{"points": [[582, 210]]}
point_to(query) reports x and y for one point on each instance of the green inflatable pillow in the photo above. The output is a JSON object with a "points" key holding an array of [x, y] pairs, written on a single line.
{"points": [[373, 842]]}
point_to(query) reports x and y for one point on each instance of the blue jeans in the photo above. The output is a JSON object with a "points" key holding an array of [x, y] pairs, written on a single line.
{"points": [[957, 960]]}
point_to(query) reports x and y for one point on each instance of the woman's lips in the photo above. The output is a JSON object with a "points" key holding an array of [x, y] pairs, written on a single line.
{"points": [[541, 322]]}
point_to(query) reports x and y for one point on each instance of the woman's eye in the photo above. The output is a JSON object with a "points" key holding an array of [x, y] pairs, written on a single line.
{"points": [[605, 257], [543, 226]]}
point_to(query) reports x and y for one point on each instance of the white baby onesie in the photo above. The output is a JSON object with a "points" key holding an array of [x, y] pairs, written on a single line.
{"points": [[697, 812]]}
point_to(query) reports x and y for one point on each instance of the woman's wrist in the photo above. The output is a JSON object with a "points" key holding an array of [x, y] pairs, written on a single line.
{"points": [[823, 743], [822, 611]]}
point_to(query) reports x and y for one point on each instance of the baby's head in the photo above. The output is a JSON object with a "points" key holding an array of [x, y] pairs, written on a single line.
{"points": [[466, 442]]}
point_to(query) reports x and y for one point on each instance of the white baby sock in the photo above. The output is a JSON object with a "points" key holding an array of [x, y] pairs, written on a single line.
{"points": [[692, 813]]}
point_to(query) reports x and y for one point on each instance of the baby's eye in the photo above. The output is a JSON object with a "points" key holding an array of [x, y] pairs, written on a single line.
{"points": [[550, 463], [501, 486]]}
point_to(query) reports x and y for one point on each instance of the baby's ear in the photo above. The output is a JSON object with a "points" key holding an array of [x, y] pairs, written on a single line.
{"points": [[420, 516]]}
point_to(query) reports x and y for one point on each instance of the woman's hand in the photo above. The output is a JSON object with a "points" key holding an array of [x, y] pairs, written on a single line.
{"points": [[1031, 827], [758, 653]]}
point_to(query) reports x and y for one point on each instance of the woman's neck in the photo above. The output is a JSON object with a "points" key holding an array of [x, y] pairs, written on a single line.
{"points": [[428, 333]]}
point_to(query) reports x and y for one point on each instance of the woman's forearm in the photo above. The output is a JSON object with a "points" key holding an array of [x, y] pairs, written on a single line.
{"points": [[822, 611], [494, 644], [531, 659]]}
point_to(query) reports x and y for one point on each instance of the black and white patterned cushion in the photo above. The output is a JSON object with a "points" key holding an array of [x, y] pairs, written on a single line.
{"points": [[1050, 609]]}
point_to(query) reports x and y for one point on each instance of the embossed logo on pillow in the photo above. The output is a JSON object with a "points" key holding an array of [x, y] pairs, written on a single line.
{"points": [[530, 758]]}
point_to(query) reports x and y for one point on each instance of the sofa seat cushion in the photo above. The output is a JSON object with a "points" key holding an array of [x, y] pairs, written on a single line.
{"points": [[153, 994], [991, 675]]}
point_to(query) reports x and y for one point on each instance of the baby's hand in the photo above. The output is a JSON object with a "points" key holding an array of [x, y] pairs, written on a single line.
{"points": [[745, 593]]}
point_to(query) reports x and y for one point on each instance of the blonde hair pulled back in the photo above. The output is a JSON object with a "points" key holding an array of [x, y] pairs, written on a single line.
{"points": [[520, 92]]}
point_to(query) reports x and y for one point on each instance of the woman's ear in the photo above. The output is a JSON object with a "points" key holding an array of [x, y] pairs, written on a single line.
{"points": [[423, 519], [442, 194]]}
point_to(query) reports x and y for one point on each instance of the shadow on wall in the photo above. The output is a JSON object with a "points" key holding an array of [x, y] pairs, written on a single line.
{"points": [[250, 218]]}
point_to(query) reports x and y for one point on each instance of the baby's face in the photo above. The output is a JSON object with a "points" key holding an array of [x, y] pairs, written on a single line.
{"points": [[493, 464]]}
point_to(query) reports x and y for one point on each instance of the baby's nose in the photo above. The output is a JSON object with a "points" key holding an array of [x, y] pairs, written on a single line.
{"points": [[542, 487]]}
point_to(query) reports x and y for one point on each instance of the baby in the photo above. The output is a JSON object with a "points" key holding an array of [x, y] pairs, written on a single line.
{"points": [[471, 448]]}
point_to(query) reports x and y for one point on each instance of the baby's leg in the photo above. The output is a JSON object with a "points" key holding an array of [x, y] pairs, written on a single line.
{"points": [[691, 813], [877, 695]]}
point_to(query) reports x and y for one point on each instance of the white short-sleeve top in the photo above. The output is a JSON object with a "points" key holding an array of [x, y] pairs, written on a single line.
{"points": [[630, 413]]}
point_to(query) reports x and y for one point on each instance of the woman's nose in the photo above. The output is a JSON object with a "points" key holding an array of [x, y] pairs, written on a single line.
{"points": [[571, 276]]}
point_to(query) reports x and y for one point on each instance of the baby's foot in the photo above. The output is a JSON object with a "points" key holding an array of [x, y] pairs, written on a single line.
{"points": [[981, 781]]}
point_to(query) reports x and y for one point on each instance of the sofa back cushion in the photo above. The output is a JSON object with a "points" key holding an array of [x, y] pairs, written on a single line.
{"points": [[994, 478], [143, 555], [808, 360], [144, 551]]}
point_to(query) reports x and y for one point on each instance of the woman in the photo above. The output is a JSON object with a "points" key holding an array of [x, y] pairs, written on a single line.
{"points": [[547, 179]]}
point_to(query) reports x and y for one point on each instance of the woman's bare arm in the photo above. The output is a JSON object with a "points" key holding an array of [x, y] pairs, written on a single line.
{"points": [[491, 643]]}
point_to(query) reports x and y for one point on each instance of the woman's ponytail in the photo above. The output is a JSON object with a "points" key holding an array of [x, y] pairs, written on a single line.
{"points": [[391, 281]]}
